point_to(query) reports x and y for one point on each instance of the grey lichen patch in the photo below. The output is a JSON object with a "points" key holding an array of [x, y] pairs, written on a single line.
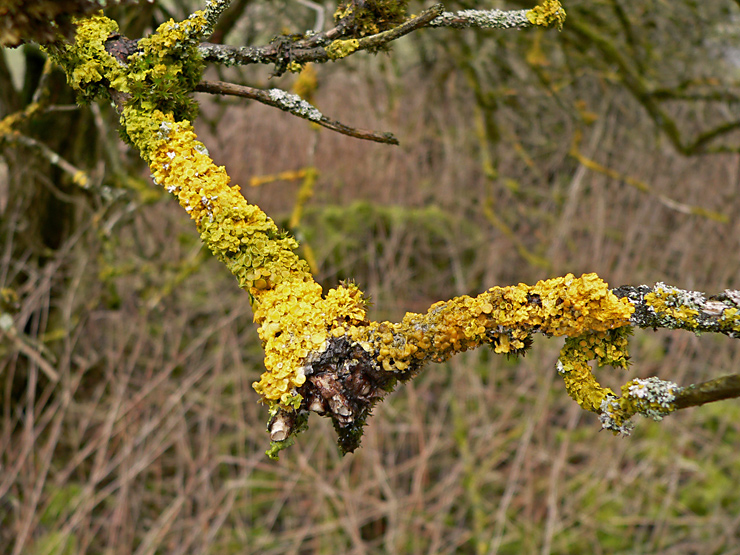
{"points": [[653, 397], [483, 19], [612, 417], [232, 55], [665, 306], [294, 104]]}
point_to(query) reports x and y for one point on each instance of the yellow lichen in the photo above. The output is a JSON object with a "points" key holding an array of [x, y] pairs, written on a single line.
{"points": [[295, 322], [548, 14], [341, 48], [86, 62], [80, 178], [502, 316], [604, 347], [667, 303]]}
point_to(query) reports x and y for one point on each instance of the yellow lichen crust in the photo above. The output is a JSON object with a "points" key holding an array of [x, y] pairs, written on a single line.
{"points": [[548, 14], [503, 317], [667, 303], [238, 233], [296, 322], [604, 347], [341, 48], [90, 69]]}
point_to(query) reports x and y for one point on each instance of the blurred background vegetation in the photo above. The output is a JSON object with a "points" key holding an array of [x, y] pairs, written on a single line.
{"points": [[609, 147]]}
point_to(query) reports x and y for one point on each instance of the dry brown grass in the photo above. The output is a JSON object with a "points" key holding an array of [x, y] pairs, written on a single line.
{"points": [[152, 441]]}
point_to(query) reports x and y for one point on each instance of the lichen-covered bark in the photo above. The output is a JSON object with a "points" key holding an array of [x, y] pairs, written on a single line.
{"points": [[322, 354]]}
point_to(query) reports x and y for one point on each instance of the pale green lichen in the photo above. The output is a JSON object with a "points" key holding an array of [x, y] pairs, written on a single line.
{"points": [[341, 48], [548, 14]]}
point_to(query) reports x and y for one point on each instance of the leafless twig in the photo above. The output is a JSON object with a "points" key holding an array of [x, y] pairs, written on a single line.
{"points": [[295, 105]]}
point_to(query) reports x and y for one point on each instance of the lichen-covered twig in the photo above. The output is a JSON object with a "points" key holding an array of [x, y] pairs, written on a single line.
{"points": [[660, 306], [293, 104], [334, 43], [320, 47], [483, 19], [548, 14], [665, 306]]}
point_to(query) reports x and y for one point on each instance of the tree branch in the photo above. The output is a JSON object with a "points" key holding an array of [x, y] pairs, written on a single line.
{"points": [[322, 47], [295, 105], [322, 354], [665, 306], [726, 387]]}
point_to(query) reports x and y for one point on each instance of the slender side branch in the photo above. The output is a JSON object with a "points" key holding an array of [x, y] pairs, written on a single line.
{"points": [[641, 186], [316, 48], [79, 177], [9, 134], [483, 19], [295, 105], [665, 306], [332, 44], [726, 387]]}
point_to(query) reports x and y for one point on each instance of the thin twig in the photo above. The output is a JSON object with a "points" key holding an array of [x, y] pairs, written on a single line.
{"points": [[295, 105], [483, 19]]}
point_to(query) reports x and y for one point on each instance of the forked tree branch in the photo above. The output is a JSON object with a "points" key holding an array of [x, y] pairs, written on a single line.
{"points": [[322, 353]]}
